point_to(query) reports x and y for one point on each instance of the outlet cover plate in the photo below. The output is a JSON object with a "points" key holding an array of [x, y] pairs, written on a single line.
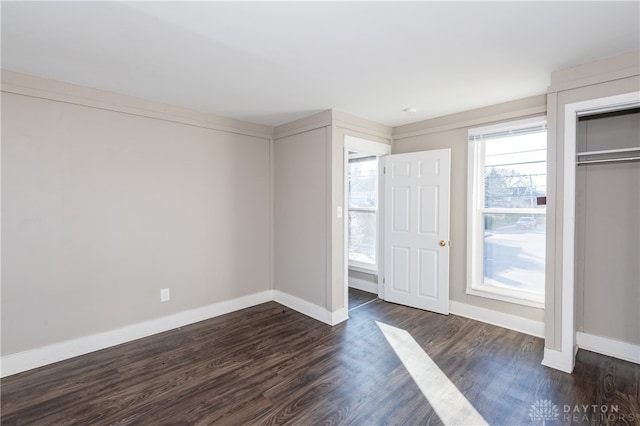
{"points": [[165, 295]]}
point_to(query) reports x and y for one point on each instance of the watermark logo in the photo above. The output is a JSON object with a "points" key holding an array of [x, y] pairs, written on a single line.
{"points": [[543, 411], [598, 414]]}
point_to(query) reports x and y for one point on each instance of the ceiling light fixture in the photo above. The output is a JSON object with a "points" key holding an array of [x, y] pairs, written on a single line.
{"points": [[410, 110]]}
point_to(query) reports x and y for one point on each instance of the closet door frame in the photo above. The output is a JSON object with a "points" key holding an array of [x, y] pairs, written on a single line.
{"points": [[571, 112]]}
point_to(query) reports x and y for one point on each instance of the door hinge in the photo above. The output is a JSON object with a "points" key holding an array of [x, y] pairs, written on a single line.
{"points": [[384, 170]]}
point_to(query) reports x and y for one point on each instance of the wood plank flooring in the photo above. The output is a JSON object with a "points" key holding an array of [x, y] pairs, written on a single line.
{"points": [[358, 298], [269, 365]]}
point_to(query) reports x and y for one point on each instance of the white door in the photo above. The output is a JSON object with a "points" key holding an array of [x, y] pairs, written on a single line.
{"points": [[416, 229]]}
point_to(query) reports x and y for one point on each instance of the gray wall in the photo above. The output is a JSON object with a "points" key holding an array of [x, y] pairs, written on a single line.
{"points": [[364, 276], [451, 132], [308, 190], [107, 199], [102, 208], [301, 233], [608, 231]]}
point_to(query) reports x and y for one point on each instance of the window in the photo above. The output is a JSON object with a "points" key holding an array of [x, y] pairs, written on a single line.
{"points": [[507, 212], [363, 212]]}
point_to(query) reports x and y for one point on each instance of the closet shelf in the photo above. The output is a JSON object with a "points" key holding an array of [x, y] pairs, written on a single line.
{"points": [[608, 151], [608, 160]]}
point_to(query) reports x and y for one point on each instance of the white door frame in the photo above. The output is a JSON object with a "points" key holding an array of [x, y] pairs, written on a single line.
{"points": [[565, 358], [352, 143]]}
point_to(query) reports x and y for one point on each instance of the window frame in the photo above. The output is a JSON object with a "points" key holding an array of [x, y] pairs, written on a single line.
{"points": [[476, 212], [354, 264]]}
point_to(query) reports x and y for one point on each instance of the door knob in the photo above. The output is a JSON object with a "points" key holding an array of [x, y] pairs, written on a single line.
{"points": [[443, 243]]}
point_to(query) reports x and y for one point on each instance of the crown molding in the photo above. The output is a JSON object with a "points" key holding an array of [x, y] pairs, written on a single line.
{"points": [[28, 85]]}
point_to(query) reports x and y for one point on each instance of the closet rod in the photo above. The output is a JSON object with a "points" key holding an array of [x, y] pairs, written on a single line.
{"points": [[608, 151], [610, 160]]}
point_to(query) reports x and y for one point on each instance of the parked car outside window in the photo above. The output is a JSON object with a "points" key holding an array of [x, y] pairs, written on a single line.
{"points": [[526, 223]]}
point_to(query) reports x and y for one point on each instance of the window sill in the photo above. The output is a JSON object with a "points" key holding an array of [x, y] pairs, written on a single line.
{"points": [[489, 292], [360, 267]]}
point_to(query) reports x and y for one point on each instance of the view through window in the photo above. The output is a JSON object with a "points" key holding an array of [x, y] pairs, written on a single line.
{"points": [[363, 208], [509, 211]]}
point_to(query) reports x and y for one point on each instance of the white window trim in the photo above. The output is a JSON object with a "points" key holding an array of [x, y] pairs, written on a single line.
{"points": [[475, 193], [367, 268], [354, 264]]}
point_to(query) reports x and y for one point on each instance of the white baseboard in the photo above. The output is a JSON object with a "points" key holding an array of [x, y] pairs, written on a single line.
{"points": [[363, 285], [611, 347], [27, 360], [311, 310], [557, 360], [512, 322], [341, 315], [34, 358]]}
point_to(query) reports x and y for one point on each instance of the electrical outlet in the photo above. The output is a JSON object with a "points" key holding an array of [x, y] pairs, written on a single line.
{"points": [[165, 295]]}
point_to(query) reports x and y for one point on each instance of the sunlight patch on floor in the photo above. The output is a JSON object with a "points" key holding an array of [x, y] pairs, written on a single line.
{"points": [[447, 401]]}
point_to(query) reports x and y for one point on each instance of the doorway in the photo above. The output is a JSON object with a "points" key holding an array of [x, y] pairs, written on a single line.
{"points": [[408, 210], [363, 196], [564, 359]]}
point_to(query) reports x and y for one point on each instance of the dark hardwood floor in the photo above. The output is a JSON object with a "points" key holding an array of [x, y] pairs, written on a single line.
{"points": [[270, 365], [359, 298]]}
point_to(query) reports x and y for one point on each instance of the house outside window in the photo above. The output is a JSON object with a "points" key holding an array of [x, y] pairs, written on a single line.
{"points": [[507, 212]]}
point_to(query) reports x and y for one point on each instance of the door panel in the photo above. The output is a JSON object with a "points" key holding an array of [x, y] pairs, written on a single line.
{"points": [[416, 222], [401, 197], [427, 273], [401, 270], [428, 209], [401, 168]]}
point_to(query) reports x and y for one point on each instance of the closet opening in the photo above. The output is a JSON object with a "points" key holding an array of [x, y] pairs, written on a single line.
{"points": [[572, 308], [607, 228]]}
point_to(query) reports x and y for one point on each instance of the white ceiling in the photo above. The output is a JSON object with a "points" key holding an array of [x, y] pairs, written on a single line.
{"points": [[271, 63]]}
